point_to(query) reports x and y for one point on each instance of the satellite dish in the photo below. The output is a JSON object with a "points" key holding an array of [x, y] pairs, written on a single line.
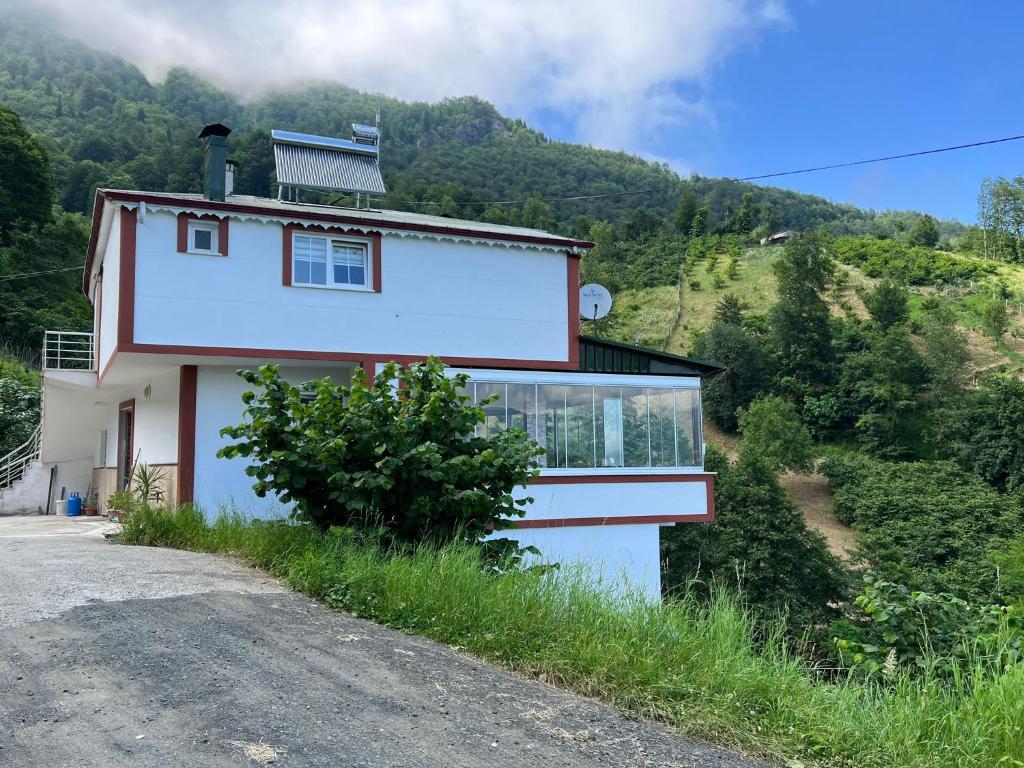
{"points": [[595, 301]]}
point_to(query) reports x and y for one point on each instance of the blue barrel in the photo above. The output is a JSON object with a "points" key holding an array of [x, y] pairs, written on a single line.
{"points": [[74, 505]]}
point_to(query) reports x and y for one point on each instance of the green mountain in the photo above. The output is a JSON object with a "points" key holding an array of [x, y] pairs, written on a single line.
{"points": [[104, 124]]}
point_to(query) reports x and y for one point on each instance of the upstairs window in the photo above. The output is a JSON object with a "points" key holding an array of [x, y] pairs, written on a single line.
{"points": [[329, 263], [203, 237]]}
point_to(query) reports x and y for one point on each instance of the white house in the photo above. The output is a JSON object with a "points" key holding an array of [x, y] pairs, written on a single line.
{"points": [[188, 288]]}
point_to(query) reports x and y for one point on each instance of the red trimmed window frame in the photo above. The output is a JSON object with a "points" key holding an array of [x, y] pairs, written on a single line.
{"points": [[290, 230], [222, 231]]}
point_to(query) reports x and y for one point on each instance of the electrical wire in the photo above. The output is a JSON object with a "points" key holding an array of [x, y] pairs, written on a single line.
{"points": [[5, 278], [758, 177]]}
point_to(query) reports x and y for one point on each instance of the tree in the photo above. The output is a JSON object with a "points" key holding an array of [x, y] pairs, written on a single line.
{"points": [[405, 460], [800, 321], [994, 318], [887, 304], [729, 310], [699, 226], [758, 543], [745, 375], [925, 232], [772, 434], [945, 352], [642, 224], [19, 405], [26, 183], [537, 214], [685, 211]]}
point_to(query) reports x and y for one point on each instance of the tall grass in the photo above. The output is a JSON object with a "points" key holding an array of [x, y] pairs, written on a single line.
{"points": [[691, 664]]}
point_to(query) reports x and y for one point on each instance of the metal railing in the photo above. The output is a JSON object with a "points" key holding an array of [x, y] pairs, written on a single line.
{"points": [[68, 351], [15, 463]]}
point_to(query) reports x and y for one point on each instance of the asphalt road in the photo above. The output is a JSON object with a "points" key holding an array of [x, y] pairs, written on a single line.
{"points": [[126, 656]]}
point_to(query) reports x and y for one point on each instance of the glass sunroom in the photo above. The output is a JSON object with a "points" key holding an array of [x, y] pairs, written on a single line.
{"points": [[596, 423]]}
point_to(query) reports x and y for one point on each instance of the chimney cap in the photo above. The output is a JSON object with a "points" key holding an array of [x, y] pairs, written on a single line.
{"points": [[214, 129]]}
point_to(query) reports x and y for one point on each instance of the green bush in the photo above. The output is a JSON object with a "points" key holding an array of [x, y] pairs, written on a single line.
{"points": [[936, 633], [914, 265], [927, 524], [398, 453]]}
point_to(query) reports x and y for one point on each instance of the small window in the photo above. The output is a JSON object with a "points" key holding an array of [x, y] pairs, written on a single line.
{"points": [[329, 263], [202, 237]]}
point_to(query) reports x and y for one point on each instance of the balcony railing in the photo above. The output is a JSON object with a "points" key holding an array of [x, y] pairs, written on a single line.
{"points": [[68, 351]]}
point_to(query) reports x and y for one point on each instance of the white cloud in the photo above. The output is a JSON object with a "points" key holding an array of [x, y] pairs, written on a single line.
{"points": [[611, 67]]}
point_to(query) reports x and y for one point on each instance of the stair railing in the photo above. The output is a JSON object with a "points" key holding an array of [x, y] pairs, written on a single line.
{"points": [[14, 465]]}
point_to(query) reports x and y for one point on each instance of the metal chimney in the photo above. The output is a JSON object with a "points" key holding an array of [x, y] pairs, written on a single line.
{"points": [[215, 159]]}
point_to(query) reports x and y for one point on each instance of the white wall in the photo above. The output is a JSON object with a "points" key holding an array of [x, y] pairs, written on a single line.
{"points": [[438, 297], [108, 304], [620, 558], [222, 482], [611, 499], [156, 421]]}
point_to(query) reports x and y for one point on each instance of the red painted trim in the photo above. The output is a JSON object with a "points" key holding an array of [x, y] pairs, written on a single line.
{"points": [[99, 322], [94, 236], [127, 405], [286, 254], [222, 235], [370, 366], [579, 522], [573, 285], [222, 231], [183, 232], [340, 218], [186, 472], [343, 357], [375, 239], [126, 279]]}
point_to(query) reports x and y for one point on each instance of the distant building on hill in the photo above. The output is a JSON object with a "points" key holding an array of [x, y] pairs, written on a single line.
{"points": [[778, 238]]}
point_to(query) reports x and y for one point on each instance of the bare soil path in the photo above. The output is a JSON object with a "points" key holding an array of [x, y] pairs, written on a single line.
{"points": [[126, 656]]}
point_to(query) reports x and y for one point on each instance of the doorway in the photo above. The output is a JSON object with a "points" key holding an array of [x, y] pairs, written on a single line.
{"points": [[125, 442]]}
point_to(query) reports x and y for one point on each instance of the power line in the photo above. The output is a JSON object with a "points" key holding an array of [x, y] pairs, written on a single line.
{"points": [[758, 177], [5, 278]]}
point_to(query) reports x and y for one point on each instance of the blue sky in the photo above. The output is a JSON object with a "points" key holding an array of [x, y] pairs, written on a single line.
{"points": [[852, 80], [720, 87]]}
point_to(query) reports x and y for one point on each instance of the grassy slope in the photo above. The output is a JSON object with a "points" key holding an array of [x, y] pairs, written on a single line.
{"points": [[690, 665]]}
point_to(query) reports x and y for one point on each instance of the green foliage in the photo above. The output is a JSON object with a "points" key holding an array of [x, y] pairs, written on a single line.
{"points": [[745, 375], [985, 433], [924, 233], [19, 404], [407, 461], [937, 633], [729, 310], [995, 319], [26, 183], [882, 386], [887, 304], [773, 435], [928, 524], [911, 265], [147, 483], [801, 328], [758, 543]]}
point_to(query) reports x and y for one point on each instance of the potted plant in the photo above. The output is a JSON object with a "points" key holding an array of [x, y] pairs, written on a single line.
{"points": [[119, 504], [91, 500]]}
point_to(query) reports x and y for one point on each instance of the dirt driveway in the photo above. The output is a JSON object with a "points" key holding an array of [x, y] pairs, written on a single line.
{"points": [[126, 656]]}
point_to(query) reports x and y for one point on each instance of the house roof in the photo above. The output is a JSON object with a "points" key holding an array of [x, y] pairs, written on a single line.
{"points": [[327, 214], [604, 356]]}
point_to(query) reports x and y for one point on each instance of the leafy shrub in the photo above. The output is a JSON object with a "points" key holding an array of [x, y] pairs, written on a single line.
{"points": [[774, 436], [19, 405], [914, 265], [934, 632], [404, 460], [694, 285], [927, 524], [745, 375]]}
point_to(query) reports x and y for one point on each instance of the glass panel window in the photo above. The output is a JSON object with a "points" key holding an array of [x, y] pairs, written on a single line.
{"points": [[579, 423], [522, 407], [608, 426], [349, 263], [689, 437], [309, 256], [636, 439], [494, 412], [663, 427], [202, 237], [551, 426]]}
